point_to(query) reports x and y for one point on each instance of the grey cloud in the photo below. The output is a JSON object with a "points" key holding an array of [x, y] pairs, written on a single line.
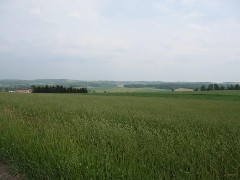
{"points": [[85, 40]]}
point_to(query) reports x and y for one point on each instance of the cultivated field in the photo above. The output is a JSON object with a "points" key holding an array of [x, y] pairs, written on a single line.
{"points": [[125, 90], [161, 135]]}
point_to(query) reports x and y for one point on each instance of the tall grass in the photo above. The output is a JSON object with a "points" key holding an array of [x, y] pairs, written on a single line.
{"points": [[69, 136]]}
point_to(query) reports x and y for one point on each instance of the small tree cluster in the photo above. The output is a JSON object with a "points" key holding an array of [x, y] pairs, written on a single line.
{"points": [[57, 89], [233, 87], [212, 87]]}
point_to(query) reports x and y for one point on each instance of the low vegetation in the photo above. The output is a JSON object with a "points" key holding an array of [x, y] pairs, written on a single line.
{"points": [[216, 87], [187, 135], [57, 89]]}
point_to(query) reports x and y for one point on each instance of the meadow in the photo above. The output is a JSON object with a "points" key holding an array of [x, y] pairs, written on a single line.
{"points": [[124, 90], [151, 135]]}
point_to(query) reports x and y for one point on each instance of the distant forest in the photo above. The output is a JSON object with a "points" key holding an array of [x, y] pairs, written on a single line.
{"points": [[215, 87], [195, 86], [57, 89], [167, 85], [54, 82], [11, 85]]}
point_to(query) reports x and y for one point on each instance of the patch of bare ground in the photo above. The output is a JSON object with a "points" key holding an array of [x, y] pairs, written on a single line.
{"points": [[6, 174]]}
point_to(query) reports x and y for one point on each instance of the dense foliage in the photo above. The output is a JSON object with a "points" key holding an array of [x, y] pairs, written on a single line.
{"points": [[192, 135], [196, 86], [57, 89], [166, 85], [216, 87]]}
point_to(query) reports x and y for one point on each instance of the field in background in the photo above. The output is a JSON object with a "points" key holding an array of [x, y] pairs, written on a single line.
{"points": [[124, 90], [135, 135]]}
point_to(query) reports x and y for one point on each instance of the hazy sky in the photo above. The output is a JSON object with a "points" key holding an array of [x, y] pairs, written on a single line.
{"points": [[165, 40]]}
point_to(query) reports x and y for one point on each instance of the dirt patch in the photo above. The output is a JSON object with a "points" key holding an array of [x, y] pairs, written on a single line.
{"points": [[6, 175]]}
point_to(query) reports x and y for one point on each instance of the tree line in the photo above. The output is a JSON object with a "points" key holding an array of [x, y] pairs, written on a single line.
{"points": [[165, 85], [212, 87], [58, 89]]}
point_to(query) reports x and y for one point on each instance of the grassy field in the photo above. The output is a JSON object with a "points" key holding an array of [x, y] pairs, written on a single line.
{"points": [[124, 90], [165, 135]]}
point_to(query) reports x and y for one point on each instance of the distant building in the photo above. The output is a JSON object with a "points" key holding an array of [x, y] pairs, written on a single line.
{"points": [[24, 90], [11, 91]]}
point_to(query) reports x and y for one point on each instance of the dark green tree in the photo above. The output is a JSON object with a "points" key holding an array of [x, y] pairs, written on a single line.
{"points": [[237, 87], [216, 87], [203, 88], [222, 87], [210, 87], [231, 87], [58, 89]]}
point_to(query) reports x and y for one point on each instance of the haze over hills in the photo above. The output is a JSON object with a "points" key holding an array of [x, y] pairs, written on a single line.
{"points": [[7, 84]]}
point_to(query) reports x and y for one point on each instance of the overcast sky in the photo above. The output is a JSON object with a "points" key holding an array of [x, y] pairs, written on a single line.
{"points": [[165, 40]]}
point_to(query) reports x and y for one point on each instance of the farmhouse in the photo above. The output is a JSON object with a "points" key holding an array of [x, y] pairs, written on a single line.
{"points": [[24, 90]]}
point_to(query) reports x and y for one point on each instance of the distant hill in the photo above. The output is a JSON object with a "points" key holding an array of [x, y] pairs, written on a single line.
{"points": [[9, 84], [168, 85], [65, 82]]}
